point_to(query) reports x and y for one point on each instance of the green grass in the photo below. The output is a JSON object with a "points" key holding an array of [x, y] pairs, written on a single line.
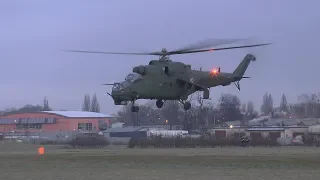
{"points": [[22, 162]]}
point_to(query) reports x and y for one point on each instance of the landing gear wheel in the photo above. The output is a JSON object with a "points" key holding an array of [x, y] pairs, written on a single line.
{"points": [[135, 108], [186, 105], [159, 103]]}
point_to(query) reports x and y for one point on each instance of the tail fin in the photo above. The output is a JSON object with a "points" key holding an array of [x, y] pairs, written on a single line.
{"points": [[242, 67]]}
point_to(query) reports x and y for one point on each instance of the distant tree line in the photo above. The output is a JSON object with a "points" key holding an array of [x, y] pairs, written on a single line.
{"points": [[28, 108], [88, 105], [307, 106], [204, 113]]}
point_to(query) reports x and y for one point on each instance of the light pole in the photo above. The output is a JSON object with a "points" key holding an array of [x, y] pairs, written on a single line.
{"points": [[15, 125]]}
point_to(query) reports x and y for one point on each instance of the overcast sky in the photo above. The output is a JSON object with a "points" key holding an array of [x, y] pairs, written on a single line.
{"points": [[33, 32]]}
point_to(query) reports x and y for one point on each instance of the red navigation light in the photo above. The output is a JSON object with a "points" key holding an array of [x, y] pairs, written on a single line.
{"points": [[214, 71]]}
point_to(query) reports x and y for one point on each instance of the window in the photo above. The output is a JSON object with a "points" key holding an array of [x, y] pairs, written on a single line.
{"points": [[19, 126], [85, 126], [129, 77], [35, 126], [28, 126], [132, 77], [89, 126], [81, 126], [116, 87], [38, 126], [32, 126]]}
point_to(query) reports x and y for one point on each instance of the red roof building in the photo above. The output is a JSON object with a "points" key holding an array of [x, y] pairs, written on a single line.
{"points": [[52, 121]]}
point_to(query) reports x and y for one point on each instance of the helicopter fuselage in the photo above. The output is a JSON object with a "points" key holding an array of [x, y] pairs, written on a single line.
{"points": [[168, 80]]}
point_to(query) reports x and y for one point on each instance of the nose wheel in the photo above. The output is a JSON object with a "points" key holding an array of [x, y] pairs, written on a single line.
{"points": [[186, 105], [159, 103]]}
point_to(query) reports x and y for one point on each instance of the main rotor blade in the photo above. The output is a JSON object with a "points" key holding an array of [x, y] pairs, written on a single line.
{"points": [[217, 49], [195, 48], [207, 43], [101, 52]]}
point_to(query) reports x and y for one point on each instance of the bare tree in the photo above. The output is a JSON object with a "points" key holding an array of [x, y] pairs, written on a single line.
{"points": [[46, 105], [309, 104], [250, 108], [171, 111], [284, 104], [125, 114], [28, 108], [203, 111], [229, 107], [95, 107], [267, 104], [243, 108], [86, 104]]}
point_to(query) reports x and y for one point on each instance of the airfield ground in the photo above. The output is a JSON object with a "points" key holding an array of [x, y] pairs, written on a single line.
{"points": [[20, 161]]}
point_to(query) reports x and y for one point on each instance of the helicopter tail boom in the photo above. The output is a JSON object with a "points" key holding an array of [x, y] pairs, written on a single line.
{"points": [[242, 67]]}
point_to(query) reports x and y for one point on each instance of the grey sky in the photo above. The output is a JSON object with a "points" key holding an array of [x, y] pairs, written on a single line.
{"points": [[32, 34]]}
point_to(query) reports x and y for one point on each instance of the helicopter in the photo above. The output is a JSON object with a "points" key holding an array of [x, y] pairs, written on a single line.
{"points": [[164, 79]]}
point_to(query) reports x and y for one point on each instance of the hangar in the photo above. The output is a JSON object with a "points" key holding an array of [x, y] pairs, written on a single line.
{"points": [[53, 121]]}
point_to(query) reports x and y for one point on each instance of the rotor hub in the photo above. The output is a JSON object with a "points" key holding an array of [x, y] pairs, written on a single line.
{"points": [[164, 50], [164, 56]]}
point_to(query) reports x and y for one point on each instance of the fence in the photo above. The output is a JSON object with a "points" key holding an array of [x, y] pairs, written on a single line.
{"points": [[72, 139]]}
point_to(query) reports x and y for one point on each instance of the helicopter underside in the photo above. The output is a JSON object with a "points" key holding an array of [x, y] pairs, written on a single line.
{"points": [[159, 104], [159, 100]]}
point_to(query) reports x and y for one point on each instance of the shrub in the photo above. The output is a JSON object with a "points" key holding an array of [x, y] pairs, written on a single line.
{"points": [[88, 141], [189, 142]]}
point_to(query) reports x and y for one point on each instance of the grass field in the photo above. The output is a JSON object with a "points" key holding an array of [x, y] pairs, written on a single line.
{"points": [[20, 161]]}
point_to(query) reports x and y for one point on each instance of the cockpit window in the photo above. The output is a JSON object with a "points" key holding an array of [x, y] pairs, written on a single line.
{"points": [[117, 87], [130, 78]]}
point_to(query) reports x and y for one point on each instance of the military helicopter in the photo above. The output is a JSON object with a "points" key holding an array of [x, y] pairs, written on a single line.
{"points": [[164, 79]]}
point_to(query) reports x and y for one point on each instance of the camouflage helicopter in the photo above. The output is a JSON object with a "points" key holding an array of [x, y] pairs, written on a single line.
{"points": [[165, 79]]}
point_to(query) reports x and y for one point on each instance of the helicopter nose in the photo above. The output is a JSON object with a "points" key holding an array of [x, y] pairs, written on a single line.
{"points": [[115, 93]]}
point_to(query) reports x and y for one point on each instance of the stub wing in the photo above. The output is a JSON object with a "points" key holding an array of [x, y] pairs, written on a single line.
{"points": [[191, 84]]}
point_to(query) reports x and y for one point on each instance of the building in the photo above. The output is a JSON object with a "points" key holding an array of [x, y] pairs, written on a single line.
{"points": [[272, 133], [271, 129], [122, 135], [117, 125], [54, 121]]}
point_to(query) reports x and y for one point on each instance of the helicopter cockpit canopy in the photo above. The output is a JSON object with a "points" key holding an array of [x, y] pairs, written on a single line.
{"points": [[130, 78]]}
